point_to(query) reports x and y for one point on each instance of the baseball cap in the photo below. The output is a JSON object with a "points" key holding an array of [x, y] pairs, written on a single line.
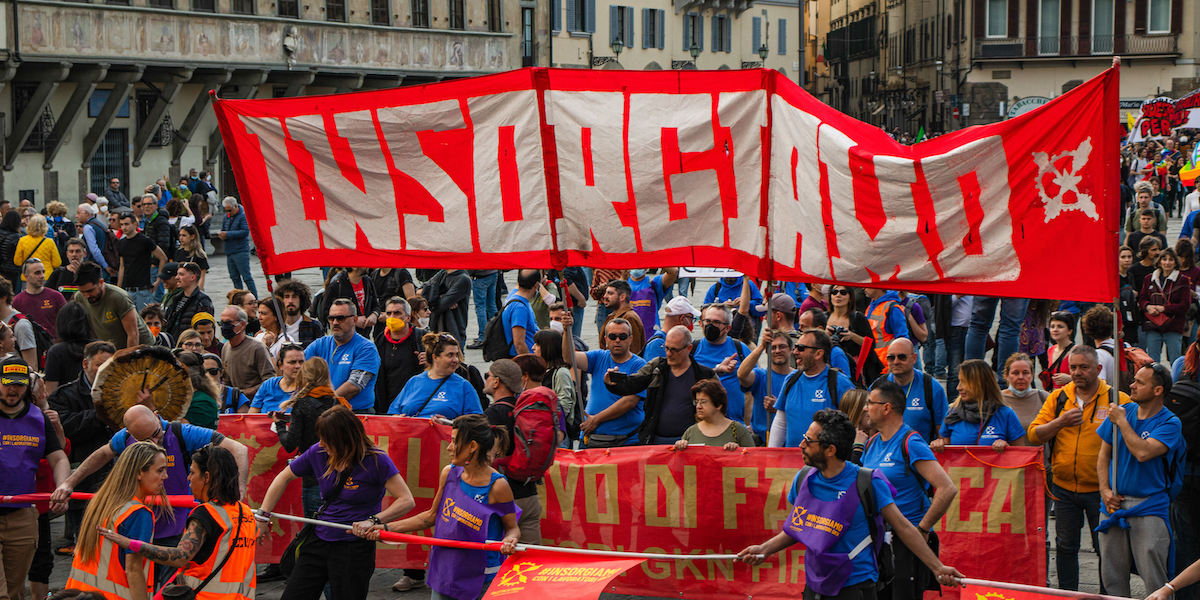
{"points": [[169, 271], [200, 317], [680, 306], [14, 371], [780, 302]]}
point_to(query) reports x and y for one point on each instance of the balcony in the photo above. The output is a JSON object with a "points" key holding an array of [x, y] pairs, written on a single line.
{"points": [[1075, 47]]}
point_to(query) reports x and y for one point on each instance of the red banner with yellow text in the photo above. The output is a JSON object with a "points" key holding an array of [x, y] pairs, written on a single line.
{"points": [[743, 169], [545, 574], [697, 501]]}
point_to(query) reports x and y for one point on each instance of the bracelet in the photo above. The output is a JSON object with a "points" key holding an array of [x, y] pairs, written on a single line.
{"points": [[135, 546], [263, 516], [1168, 585], [375, 519]]}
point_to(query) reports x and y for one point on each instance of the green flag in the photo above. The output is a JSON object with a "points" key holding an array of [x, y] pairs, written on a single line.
{"points": [[920, 134]]}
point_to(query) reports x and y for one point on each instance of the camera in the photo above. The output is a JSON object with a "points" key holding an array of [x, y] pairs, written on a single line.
{"points": [[836, 332]]}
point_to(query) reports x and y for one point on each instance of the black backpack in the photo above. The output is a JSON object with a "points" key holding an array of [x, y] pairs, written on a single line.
{"points": [[1184, 401], [495, 345], [884, 559], [40, 336], [831, 384], [928, 387]]}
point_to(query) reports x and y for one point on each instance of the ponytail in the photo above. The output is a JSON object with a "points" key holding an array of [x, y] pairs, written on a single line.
{"points": [[476, 428]]}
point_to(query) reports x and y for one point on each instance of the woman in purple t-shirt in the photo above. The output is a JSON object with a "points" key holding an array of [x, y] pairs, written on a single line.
{"points": [[474, 503], [353, 474]]}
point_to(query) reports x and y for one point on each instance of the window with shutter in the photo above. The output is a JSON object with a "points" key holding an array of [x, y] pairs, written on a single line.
{"points": [[1159, 19], [699, 37], [628, 20], [646, 28], [782, 36], [555, 14], [728, 35], [687, 32], [756, 34], [660, 20], [997, 18], [615, 25]]}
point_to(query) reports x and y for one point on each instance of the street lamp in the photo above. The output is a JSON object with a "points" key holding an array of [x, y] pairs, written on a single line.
{"points": [[617, 46], [694, 51], [762, 53]]}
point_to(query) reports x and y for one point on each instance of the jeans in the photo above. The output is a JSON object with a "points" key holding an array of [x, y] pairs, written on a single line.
{"points": [[239, 271], [142, 297], [483, 290], [935, 356], [1008, 335], [601, 317], [1154, 341], [683, 284], [954, 357], [1069, 512], [577, 324]]}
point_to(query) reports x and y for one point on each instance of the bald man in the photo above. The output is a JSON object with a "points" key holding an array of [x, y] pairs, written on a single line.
{"points": [[180, 440], [926, 398]]}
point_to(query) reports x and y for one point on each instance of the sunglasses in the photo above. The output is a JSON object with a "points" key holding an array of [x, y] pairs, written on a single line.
{"points": [[807, 441], [339, 318], [802, 348], [618, 336], [900, 357], [670, 349], [839, 292]]}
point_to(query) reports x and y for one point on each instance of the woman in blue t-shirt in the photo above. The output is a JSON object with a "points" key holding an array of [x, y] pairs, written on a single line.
{"points": [[439, 391], [979, 416], [274, 392]]}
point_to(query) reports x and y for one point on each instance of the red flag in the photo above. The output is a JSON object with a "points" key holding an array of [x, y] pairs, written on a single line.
{"points": [[976, 589], [538, 573]]}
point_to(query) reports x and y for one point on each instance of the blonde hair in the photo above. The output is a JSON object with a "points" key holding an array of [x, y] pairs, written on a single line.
{"points": [[119, 487], [37, 226], [313, 373], [56, 209], [853, 403], [978, 377], [185, 335]]}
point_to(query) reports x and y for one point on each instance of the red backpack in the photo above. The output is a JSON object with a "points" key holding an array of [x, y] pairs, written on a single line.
{"points": [[536, 421]]}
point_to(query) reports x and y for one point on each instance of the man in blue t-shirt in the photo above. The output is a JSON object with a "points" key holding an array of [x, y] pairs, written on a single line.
{"points": [[353, 360], [754, 378], [909, 465], [821, 495], [610, 420], [923, 415], [517, 319], [728, 290], [646, 293], [723, 354], [807, 390], [1149, 451]]}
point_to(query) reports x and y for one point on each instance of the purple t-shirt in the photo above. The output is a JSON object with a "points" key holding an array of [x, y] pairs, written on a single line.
{"points": [[42, 308], [362, 496]]}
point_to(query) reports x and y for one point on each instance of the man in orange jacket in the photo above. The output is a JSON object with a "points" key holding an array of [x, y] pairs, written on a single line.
{"points": [[1067, 424]]}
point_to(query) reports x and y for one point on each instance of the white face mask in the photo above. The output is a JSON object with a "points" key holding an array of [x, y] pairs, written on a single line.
{"points": [[423, 322], [1029, 391]]}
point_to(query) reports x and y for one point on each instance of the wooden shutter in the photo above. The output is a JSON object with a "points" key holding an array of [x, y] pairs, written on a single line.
{"points": [[628, 27], [1176, 16], [1014, 18], [662, 27], [1031, 26], [700, 32], [756, 34], [614, 26], [980, 19], [590, 16], [1064, 27], [687, 32], [1140, 8], [555, 14], [1118, 27], [782, 36], [728, 35], [571, 16], [1085, 26]]}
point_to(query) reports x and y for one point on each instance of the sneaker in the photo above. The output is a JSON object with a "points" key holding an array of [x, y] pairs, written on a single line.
{"points": [[475, 345], [66, 550], [270, 573], [407, 583]]}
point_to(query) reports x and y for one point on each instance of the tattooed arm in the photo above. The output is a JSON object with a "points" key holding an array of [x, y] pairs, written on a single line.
{"points": [[179, 556]]}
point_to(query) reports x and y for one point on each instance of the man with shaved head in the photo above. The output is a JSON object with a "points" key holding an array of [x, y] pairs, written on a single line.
{"points": [[667, 382], [926, 403], [180, 440]]}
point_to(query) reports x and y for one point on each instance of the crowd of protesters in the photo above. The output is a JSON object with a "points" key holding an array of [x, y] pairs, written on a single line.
{"points": [[852, 377]]}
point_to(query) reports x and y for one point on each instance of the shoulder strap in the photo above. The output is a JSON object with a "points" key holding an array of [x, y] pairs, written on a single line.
{"points": [[866, 496], [790, 383], [908, 460], [831, 384], [177, 431], [232, 545], [928, 386], [343, 477], [1061, 356], [39, 245], [431, 395]]}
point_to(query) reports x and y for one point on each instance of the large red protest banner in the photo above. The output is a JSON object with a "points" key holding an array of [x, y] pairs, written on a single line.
{"points": [[742, 169], [698, 501]]}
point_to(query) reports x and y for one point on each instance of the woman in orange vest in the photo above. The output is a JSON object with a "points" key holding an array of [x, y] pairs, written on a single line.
{"points": [[100, 566], [215, 555]]}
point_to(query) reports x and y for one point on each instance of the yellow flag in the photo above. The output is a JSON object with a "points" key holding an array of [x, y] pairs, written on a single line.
{"points": [[1131, 120]]}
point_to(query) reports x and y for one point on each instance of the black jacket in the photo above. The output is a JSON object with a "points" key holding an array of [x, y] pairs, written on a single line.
{"points": [[160, 231], [449, 289], [651, 377], [340, 287], [178, 314], [77, 412]]}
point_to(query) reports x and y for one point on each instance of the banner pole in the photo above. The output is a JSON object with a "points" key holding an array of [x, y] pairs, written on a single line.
{"points": [[569, 303], [1018, 587]]}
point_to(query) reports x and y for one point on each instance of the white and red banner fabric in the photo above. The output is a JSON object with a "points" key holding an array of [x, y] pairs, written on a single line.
{"points": [[739, 169]]}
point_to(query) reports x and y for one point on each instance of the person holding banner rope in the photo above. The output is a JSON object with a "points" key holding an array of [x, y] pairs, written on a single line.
{"points": [[469, 492]]}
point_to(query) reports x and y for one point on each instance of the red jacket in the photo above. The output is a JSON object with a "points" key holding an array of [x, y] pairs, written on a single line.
{"points": [[1174, 293]]}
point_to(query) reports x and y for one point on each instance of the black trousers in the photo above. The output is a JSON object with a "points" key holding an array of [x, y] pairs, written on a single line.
{"points": [[858, 591], [911, 575], [346, 566]]}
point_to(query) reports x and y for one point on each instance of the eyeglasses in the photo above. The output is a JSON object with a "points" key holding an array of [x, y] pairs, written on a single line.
{"points": [[193, 345], [895, 357], [807, 441], [213, 371], [879, 403], [670, 349], [231, 323], [713, 322], [339, 318], [618, 336], [158, 431], [839, 292], [488, 375]]}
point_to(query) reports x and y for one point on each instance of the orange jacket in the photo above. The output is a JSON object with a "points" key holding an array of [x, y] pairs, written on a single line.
{"points": [[1074, 449], [104, 573]]}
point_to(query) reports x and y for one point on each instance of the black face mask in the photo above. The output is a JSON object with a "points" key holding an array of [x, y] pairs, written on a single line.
{"points": [[712, 333], [227, 331], [252, 324]]}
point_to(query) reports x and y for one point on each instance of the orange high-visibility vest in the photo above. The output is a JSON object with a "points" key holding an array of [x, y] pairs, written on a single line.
{"points": [[104, 573], [878, 319], [237, 578]]}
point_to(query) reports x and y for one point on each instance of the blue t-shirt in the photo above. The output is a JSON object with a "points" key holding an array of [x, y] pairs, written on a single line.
{"points": [[194, 437], [888, 456], [138, 526], [838, 360], [807, 396], [359, 354], [916, 414], [518, 314], [1188, 225], [760, 419], [862, 566], [655, 346], [269, 396], [455, 398], [711, 355], [1003, 425], [495, 525], [722, 291], [1148, 478], [598, 362]]}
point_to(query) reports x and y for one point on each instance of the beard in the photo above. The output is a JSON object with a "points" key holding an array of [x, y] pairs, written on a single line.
{"points": [[291, 310]]}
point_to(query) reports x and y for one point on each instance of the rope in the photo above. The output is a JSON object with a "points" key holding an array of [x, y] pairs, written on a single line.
{"points": [[175, 501], [406, 538], [1041, 466]]}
